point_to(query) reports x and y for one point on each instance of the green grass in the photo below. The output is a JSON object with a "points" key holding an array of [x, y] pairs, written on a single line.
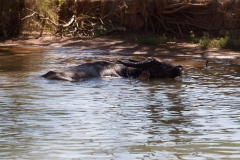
{"points": [[231, 41]]}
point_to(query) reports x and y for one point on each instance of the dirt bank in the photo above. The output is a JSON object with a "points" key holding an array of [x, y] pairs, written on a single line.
{"points": [[126, 46]]}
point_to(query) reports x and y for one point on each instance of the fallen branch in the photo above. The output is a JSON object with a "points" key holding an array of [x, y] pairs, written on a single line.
{"points": [[70, 22], [40, 16], [33, 14]]}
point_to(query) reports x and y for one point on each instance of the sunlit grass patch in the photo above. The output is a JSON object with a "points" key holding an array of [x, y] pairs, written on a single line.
{"points": [[229, 41]]}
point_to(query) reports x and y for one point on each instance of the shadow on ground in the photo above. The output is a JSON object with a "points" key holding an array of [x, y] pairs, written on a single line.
{"points": [[127, 46]]}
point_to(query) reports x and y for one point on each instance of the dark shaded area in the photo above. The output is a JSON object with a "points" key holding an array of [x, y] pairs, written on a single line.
{"points": [[10, 16]]}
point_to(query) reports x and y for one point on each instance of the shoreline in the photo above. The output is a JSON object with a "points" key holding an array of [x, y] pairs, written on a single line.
{"points": [[125, 46]]}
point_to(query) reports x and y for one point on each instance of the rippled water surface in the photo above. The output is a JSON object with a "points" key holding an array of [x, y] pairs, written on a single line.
{"points": [[195, 116]]}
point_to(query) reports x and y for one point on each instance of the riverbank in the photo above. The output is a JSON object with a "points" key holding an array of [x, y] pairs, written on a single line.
{"points": [[126, 46]]}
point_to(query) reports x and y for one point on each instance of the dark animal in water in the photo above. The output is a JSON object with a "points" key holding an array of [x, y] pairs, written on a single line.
{"points": [[126, 68]]}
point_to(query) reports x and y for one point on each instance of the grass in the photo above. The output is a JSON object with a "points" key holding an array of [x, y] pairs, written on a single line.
{"points": [[231, 41], [151, 39]]}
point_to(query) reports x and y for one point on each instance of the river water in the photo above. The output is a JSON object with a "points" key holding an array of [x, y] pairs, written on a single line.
{"points": [[195, 116]]}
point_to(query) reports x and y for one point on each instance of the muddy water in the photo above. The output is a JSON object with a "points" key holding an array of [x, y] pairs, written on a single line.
{"points": [[195, 116]]}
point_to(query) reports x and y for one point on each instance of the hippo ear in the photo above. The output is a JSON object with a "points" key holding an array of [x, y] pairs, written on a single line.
{"points": [[148, 62], [180, 67]]}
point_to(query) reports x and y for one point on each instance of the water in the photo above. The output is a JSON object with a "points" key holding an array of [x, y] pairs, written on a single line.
{"points": [[196, 116]]}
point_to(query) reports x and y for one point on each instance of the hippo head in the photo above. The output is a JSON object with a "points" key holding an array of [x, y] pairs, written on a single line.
{"points": [[155, 68]]}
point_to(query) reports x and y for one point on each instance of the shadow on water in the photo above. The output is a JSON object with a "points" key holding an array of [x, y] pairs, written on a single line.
{"points": [[195, 116]]}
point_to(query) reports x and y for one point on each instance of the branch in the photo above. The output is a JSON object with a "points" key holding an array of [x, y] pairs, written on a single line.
{"points": [[180, 30], [199, 13], [184, 7], [31, 15], [189, 17], [160, 20], [51, 21], [182, 23], [183, 4], [70, 22]]}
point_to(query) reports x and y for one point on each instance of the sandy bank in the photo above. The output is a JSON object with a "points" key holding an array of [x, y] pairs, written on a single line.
{"points": [[126, 46]]}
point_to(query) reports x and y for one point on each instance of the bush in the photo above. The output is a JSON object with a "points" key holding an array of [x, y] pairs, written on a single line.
{"points": [[229, 41], [232, 41]]}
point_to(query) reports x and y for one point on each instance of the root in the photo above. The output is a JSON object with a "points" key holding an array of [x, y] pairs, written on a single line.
{"points": [[101, 17]]}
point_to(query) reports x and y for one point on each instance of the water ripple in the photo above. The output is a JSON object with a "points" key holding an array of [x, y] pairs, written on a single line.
{"points": [[192, 117]]}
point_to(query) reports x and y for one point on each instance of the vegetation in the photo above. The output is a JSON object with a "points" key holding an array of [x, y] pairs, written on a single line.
{"points": [[176, 17], [150, 39], [36, 11], [227, 41], [13, 11], [191, 20]]}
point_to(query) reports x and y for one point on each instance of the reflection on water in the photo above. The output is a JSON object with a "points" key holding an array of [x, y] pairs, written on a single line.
{"points": [[193, 117]]}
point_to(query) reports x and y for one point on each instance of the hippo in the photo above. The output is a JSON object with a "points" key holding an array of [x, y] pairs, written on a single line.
{"points": [[149, 68]]}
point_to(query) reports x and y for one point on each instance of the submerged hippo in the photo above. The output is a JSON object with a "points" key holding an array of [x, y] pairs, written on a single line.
{"points": [[127, 68]]}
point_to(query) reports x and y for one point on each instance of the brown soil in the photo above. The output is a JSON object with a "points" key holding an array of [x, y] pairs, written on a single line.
{"points": [[126, 46]]}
